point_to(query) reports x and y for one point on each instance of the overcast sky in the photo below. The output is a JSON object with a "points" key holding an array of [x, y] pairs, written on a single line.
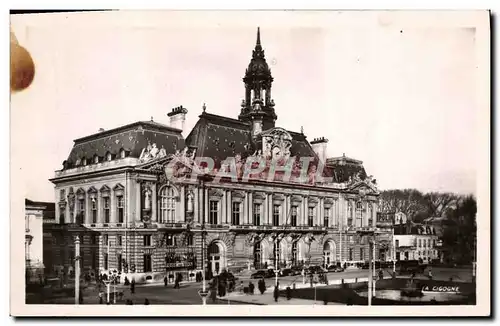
{"points": [[399, 97]]}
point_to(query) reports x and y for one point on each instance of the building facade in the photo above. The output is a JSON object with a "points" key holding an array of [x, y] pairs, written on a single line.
{"points": [[35, 215], [415, 241], [235, 194]]}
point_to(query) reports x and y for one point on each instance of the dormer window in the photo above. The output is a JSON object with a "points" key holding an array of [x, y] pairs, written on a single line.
{"points": [[108, 156], [122, 153], [84, 161], [96, 159]]}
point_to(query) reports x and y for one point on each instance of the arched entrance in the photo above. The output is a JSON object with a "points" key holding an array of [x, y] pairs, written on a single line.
{"points": [[257, 255], [329, 253], [216, 257]]}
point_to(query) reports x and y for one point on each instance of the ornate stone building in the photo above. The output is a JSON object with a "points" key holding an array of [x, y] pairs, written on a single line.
{"points": [[149, 202]]}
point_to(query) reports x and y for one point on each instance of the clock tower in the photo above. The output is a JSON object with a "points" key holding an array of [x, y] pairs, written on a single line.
{"points": [[258, 106]]}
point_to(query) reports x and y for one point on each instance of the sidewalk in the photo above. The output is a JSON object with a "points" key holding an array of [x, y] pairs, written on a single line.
{"points": [[268, 299]]}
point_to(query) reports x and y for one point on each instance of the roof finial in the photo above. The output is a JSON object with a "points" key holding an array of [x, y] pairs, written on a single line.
{"points": [[204, 107], [258, 35], [151, 118], [302, 130]]}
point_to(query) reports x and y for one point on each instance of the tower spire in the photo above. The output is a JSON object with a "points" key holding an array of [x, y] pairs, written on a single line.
{"points": [[258, 36]]}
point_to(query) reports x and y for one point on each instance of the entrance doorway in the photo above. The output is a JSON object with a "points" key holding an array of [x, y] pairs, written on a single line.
{"points": [[257, 255], [216, 258], [329, 253]]}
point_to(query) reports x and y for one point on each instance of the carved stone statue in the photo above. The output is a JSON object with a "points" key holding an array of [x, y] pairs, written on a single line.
{"points": [[147, 199], [162, 152], [154, 151], [190, 202]]}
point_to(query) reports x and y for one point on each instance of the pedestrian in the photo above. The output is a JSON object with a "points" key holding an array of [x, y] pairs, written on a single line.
{"points": [[177, 281], [132, 286], [251, 287], [146, 301], [380, 274], [100, 297], [430, 274], [165, 280], [276, 294]]}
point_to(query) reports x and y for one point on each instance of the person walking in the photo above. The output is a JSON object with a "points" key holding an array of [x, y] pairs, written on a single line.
{"points": [[430, 274], [132, 286], [276, 294], [165, 280]]}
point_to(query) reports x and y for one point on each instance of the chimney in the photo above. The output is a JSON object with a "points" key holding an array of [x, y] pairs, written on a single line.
{"points": [[178, 117], [101, 130], [319, 147]]}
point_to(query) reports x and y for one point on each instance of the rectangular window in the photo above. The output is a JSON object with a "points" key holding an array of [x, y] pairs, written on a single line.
{"points": [[168, 202], [119, 240], [256, 214], [326, 218], [94, 210], [276, 215], [397, 243], [106, 209], [419, 242], [119, 204], [214, 212], [148, 266], [119, 259], [350, 254], [105, 256], [235, 218], [361, 254], [105, 240], [93, 239], [147, 240], [310, 216], [81, 211], [293, 216], [95, 260]]}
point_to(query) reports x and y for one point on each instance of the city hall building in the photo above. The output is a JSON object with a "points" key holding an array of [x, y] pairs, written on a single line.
{"points": [[142, 203]]}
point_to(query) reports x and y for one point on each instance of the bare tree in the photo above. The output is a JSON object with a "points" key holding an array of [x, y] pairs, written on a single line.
{"points": [[407, 201], [439, 204]]}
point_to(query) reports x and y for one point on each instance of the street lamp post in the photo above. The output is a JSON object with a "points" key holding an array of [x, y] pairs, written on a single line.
{"points": [[371, 260], [108, 284], [77, 270], [203, 293]]}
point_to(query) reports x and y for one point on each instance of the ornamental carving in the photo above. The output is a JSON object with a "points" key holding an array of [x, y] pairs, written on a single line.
{"points": [[152, 152], [276, 144]]}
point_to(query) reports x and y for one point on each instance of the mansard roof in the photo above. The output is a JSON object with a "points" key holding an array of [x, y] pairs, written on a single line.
{"points": [[132, 138], [220, 137]]}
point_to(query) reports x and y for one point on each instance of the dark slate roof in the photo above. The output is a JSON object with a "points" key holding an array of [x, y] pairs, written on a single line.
{"points": [[221, 137], [132, 138], [341, 171], [413, 229]]}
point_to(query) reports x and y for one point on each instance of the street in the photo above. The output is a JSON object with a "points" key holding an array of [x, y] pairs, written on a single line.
{"points": [[188, 292]]}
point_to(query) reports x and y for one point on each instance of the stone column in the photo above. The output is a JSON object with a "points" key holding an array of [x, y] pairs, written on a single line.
{"points": [[245, 209], [182, 213], [113, 218], [270, 210], [196, 206], [207, 206], [138, 194], [374, 216], [229, 206], [306, 212], [265, 209], [250, 208], [321, 214], [224, 207]]}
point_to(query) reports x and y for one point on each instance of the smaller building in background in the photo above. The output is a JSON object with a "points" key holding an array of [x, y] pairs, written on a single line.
{"points": [[415, 241], [35, 214]]}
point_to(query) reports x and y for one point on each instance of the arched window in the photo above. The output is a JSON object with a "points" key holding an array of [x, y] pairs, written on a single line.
{"points": [[168, 205], [108, 156], [122, 153], [84, 161], [96, 159]]}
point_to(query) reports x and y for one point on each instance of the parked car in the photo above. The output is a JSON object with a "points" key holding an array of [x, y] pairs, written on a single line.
{"points": [[315, 269], [335, 268], [288, 272], [266, 273]]}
